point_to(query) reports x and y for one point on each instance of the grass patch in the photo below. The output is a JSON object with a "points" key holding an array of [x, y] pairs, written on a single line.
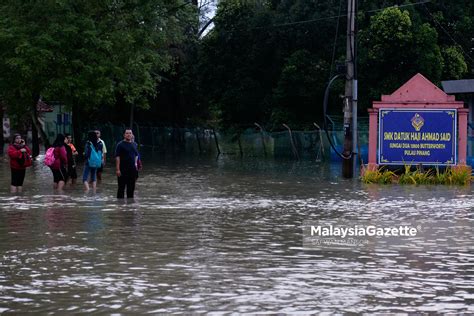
{"points": [[380, 176], [456, 175]]}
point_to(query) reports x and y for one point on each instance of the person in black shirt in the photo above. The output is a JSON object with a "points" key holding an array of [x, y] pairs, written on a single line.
{"points": [[126, 156]]}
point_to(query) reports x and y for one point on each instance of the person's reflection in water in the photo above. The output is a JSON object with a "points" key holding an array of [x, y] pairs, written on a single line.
{"points": [[94, 225], [54, 219], [15, 221]]}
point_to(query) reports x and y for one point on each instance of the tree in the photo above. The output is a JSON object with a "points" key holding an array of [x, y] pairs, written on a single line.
{"points": [[301, 81], [228, 78], [393, 49], [454, 22], [250, 61], [454, 63], [270, 60], [87, 53], [24, 60], [206, 10]]}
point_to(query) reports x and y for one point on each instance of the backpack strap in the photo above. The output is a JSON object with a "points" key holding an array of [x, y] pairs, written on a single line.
{"points": [[91, 146]]}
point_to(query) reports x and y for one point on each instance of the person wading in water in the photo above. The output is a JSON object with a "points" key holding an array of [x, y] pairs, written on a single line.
{"points": [[20, 159], [126, 157]]}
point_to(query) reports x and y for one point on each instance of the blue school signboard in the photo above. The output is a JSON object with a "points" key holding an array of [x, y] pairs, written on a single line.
{"points": [[417, 136]]}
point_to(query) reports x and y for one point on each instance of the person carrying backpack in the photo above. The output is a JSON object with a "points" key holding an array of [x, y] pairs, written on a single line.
{"points": [[20, 159], [104, 153], [60, 163], [93, 154]]}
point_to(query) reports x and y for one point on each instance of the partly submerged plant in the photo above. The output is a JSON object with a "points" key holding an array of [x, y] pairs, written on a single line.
{"points": [[416, 176], [379, 176], [456, 175], [460, 176]]}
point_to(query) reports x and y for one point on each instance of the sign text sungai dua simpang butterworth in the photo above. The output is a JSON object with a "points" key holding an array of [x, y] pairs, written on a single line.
{"points": [[417, 136]]}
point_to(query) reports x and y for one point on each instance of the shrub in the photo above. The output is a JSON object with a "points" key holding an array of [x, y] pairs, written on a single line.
{"points": [[457, 175]]}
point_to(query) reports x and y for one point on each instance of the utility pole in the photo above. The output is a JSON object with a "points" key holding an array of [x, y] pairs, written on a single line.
{"points": [[350, 108]]}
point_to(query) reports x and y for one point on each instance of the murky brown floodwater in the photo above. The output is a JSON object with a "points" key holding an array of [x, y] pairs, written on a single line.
{"points": [[222, 236]]}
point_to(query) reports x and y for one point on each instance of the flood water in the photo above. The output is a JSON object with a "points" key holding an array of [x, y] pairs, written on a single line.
{"points": [[206, 235]]}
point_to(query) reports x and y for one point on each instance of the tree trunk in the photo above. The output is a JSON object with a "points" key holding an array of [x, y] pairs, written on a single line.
{"points": [[240, 147], [37, 125], [132, 110], [76, 130], [196, 131], [34, 140], [217, 142], [2, 142]]}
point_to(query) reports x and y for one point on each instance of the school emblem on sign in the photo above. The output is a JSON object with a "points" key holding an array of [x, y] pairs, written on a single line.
{"points": [[417, 122]]}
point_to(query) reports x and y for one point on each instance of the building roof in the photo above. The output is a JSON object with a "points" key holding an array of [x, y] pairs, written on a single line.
{"points": [[458, 86], [42, 106], [418, 89]]}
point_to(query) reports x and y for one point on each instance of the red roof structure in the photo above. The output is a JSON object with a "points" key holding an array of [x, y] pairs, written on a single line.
{"points": [[42, 106]]}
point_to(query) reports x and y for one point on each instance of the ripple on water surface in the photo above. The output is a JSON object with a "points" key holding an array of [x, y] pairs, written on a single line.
{"points": [[223, 236]]}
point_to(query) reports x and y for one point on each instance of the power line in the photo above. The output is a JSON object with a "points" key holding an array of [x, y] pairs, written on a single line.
{"points": [[335, 41], [398, 6], [447, 33], [301, 22], [339, 16]]}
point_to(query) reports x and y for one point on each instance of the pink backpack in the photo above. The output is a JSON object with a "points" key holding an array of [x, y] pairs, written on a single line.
{"points": [[49, 157]]}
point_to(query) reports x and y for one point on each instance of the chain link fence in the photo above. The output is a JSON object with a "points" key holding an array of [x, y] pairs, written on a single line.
{"points": [[252, 142]]}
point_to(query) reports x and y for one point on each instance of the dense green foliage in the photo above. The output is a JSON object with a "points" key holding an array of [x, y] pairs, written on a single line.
{"points": [[270, 61], [265, 61], [86, 54]]}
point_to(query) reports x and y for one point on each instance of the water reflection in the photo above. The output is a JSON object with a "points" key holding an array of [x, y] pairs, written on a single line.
{"points": [[224, 236]]}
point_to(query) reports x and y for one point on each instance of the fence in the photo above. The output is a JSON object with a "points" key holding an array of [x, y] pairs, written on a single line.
{"points": [[253, 142]]}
